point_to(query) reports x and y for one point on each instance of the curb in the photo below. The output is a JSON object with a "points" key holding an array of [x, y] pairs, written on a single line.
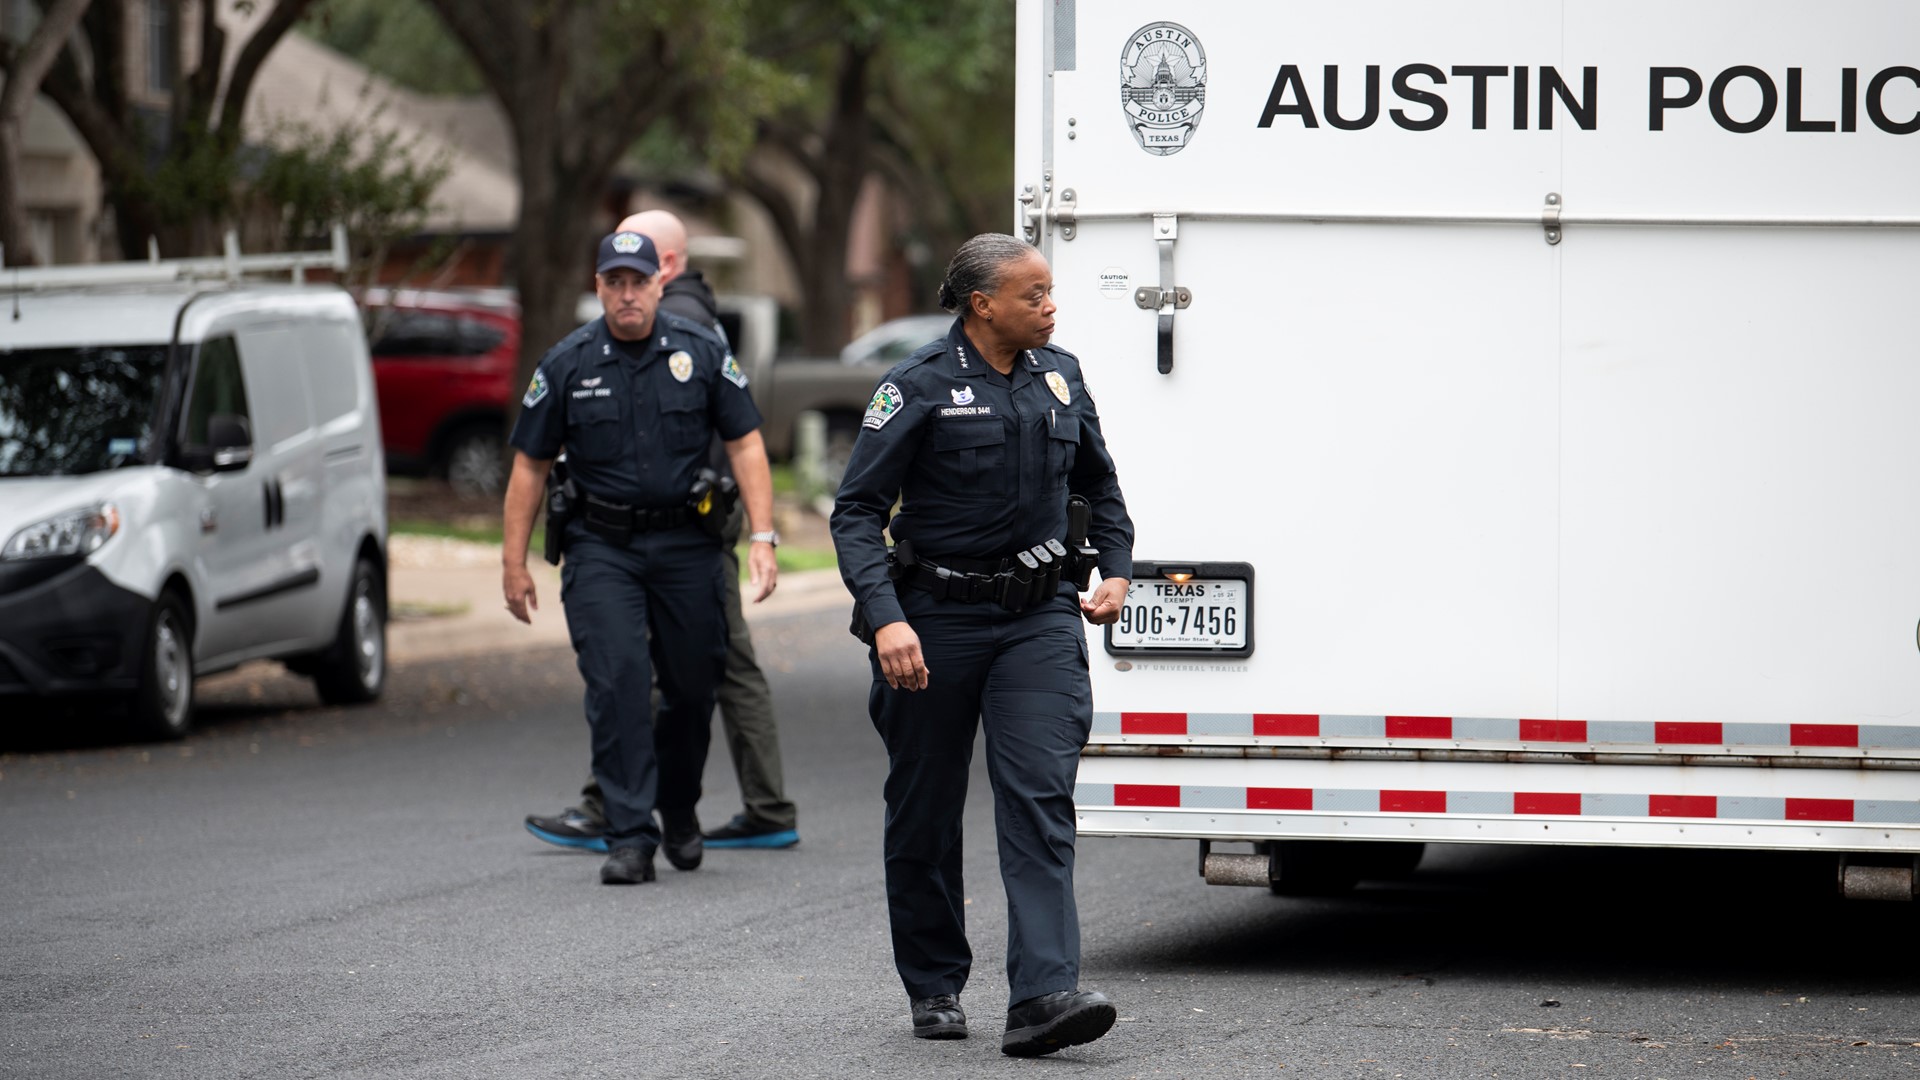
{"points": [[453, 588]]}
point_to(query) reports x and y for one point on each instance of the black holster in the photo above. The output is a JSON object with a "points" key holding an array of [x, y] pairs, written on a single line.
{"points": [[859, 627], [1081, 556], [713, 498]]}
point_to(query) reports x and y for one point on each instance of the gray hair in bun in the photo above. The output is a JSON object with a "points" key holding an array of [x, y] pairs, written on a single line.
{"points": [[978, 267]]}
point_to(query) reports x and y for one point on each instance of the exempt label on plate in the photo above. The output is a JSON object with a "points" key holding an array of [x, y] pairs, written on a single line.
{"points": [[1196, 614]]}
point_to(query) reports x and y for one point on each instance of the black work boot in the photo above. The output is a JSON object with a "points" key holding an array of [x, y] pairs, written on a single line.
{"points": [[1041, 1025], [680, 835], [939, 1017], [627, 866]]}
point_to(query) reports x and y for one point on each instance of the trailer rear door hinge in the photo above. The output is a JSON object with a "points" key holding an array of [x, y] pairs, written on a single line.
{"points": [[1550, 218]]}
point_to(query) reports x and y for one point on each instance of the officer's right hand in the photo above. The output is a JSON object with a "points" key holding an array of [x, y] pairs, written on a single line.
{"points": [[518, 586], [900, 660]]}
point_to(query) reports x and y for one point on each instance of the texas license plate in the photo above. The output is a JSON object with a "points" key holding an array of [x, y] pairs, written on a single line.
{"points": [[1199, 614]]}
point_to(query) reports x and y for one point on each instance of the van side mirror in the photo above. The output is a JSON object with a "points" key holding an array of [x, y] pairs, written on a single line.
{"points": [[230, 440]]}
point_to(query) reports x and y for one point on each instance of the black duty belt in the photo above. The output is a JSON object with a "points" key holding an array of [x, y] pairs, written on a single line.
{"points": [[1017, 582], [619, 521]]}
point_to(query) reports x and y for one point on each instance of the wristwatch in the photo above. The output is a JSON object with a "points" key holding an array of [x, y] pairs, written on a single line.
{"points": [[771, 536]]}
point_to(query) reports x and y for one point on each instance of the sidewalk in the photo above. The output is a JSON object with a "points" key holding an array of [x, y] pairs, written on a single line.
{"points": [[445, 601]]}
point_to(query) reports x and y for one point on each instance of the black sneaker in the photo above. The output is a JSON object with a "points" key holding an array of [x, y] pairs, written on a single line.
{"points": [[939, 1017], [744, 832], [627, 866], [571, 828], [1049, 1022], [680, 835]]}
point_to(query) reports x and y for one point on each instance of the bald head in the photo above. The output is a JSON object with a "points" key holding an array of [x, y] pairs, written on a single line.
{"points": [[669, 236]]}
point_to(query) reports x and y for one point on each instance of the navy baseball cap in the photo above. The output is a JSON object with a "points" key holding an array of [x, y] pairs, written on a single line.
{"points": [[630, 250]]}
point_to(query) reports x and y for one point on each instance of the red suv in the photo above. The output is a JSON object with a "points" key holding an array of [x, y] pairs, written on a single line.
{"points": [[444, 365]]}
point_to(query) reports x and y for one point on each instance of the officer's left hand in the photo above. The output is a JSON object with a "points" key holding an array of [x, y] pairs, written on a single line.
{"points": [[1103, 606], [762, 571]]}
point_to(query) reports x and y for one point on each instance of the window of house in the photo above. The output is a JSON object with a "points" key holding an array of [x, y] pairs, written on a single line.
{"points": [[160, 46]]}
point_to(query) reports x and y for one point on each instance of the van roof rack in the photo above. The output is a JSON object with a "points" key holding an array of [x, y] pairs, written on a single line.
{"points": [[232, 267]]}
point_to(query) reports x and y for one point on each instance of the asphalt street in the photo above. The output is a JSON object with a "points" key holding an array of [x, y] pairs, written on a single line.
{"points": [[298, 891]]}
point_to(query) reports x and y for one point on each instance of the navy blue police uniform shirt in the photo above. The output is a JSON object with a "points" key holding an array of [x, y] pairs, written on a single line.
{"points": [[982, 464], [635, 418]]}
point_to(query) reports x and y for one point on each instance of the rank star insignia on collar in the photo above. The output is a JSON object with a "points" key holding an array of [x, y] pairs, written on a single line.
{"points": [[962, 396], [681, 364], [1058, 384]]}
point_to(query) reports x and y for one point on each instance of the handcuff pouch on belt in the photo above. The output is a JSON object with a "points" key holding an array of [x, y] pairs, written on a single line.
{"points": [[563, 500], [712, 500], [1019, 582]]}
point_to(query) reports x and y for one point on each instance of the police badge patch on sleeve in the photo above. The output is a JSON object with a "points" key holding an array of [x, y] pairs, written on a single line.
{"points": [[886, 402], [733, 373], [536, 390]]}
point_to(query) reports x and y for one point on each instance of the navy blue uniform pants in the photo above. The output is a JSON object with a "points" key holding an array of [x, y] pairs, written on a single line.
{"points": [[1023, 678], [649, 609]]}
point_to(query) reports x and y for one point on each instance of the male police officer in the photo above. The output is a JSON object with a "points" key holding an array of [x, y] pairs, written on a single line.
{"points": [[767, 817], [633, 398]]}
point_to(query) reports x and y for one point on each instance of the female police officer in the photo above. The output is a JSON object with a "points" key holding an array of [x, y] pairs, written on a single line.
{"points": [[982, 437]]}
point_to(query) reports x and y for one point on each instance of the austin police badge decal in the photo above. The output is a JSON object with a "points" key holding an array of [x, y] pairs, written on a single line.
{"points": [[1058, 385], [1163, 86], [886, 402], [681, 364]]}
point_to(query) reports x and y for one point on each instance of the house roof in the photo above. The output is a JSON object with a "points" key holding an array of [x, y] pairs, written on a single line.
{"points": [[304, 84]]}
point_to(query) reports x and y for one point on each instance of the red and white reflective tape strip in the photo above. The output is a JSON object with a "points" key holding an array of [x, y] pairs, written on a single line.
{"points": [[1493, 803], [1470, 730]]}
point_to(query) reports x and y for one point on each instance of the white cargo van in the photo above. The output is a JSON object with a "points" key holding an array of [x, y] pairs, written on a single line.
{"points": [[190, 477], [1517, 405]]}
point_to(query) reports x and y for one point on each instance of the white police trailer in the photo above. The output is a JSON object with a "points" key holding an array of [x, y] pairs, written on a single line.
{"points": [[1519, 406], [191, 477]]}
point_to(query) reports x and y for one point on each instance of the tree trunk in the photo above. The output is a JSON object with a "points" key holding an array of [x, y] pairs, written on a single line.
{"points": [[552, 255], [839, 172], [13, 211], [24, 77]]}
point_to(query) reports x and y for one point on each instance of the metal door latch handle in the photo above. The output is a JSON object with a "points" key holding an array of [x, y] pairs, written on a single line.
{"points": [[1168, 297]]}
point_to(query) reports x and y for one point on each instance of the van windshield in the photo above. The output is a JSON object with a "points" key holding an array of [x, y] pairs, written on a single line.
{"points": [[77, 409]]}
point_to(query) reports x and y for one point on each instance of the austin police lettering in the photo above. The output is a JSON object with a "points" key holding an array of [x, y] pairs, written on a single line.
{"points": [[1742, 98]]}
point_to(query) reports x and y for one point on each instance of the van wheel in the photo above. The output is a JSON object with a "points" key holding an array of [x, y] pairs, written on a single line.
{"points": [[476, 462], [162, 707], [353, 670]]}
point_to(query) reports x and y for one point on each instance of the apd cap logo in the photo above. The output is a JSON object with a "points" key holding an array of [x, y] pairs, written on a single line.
{"points": [[626, 243], [1163, 86]]}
